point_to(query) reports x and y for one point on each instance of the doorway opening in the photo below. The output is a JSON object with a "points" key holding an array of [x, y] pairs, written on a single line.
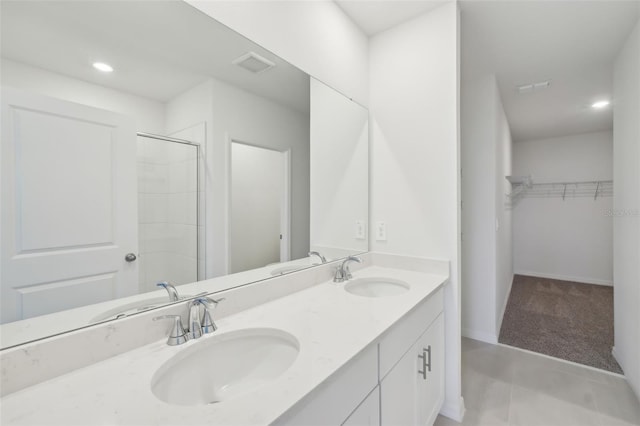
{"points": [[539, 171], [259, 208]]}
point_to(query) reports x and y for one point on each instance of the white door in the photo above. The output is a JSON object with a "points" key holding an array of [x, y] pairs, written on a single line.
{"points": [[68, 205], [258, 214]]}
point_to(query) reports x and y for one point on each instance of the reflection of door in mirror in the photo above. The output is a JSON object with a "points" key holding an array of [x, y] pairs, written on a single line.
{"points": [[71, 225], [69, 228], [259, 211], [167, 211]]}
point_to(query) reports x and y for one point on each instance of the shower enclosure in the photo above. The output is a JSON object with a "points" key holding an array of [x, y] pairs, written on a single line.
{"points": [[168, 209]]}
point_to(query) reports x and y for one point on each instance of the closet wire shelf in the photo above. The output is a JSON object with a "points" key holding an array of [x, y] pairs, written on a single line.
{"points": [[594, 189]]}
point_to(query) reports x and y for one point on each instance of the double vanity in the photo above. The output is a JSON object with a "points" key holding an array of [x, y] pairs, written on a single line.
{"points": [[365, 351]]}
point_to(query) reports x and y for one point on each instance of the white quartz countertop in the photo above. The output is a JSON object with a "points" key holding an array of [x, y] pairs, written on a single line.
{"points": [[331, 325]]}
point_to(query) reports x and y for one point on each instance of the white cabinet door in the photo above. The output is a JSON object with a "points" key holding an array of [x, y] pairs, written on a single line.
{"points": [[69, 209], [398, 405], [430, 388], [367, 413], [413, 391]]}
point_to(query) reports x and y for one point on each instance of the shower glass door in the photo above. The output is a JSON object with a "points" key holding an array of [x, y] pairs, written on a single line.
{"points": [[167, 211]]}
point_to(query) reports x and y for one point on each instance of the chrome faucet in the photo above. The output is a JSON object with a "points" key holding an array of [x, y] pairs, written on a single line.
{"points": [[173, 293], [201, 324], [198, 325], [315, 253], [343, 273], [195, 325]]}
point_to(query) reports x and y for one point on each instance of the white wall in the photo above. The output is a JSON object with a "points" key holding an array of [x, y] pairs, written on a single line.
{"points": [[339, 171], [570, 239], [248, 118], [503, 223], [478, 208], [231, 113], [148, 114], [487, 266], [626, 204], [315, 36], [414, 142]]}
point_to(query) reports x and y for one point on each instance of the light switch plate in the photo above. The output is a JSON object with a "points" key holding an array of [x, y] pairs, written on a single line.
{"points": [[360, 230], [381, 231]]}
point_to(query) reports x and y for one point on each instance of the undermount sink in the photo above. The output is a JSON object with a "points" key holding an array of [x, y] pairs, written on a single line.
{"points": [[224, 366], [133, 307], [376, 287]]}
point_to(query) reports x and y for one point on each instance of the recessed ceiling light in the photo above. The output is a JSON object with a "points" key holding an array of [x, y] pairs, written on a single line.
{"points": [[101, 66], [600, 104]]}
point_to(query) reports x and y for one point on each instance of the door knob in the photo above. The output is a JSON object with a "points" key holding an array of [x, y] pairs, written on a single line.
{"points": [[130, 257]]}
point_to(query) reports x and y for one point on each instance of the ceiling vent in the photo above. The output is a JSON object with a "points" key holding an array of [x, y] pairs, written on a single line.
{"points": [[533, 87], [253, 62]]}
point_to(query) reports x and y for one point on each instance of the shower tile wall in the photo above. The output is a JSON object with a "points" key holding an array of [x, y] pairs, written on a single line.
{"points": [[167, 211]]}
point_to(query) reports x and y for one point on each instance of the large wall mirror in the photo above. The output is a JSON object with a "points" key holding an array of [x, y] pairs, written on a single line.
{"points": [[150, 154]]}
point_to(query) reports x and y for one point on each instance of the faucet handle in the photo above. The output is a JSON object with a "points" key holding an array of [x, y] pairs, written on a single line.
{"points": [[208, 326], [209, 302], [178, 335]]}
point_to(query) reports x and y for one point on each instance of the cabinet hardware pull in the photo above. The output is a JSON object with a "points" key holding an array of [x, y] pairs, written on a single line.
{"points": [[428, 350], [426, 361]]}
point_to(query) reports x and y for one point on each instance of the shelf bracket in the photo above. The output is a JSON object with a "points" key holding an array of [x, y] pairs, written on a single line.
{"points": [[564, 191], [596, 194]]}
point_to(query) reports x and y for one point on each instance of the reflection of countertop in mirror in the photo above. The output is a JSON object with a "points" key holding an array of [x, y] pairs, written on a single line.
{"points": [[19, 332], [331, 325]]}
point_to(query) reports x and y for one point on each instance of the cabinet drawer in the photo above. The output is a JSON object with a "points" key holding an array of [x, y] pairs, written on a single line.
{"points": [[397, 341], [335, 399]]}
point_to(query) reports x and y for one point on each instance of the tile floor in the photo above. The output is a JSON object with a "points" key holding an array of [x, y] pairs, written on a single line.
{"points": [[505, 386]]}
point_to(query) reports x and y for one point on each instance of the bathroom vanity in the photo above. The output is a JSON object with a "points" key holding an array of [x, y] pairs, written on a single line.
{"points": [[398, 380], [327, 354]]}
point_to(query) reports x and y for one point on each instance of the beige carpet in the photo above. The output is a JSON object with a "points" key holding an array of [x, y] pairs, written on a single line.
{"points": [[563, 319]]}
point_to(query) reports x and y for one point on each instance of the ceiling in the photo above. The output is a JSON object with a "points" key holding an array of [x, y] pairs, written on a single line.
{"points": [[159, 49], [375, 16], [571, 43]]}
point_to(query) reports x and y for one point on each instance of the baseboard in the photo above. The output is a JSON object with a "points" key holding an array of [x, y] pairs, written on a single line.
{"points": [[504, 307], [566, 278], [479, 335], [454, 410]]}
